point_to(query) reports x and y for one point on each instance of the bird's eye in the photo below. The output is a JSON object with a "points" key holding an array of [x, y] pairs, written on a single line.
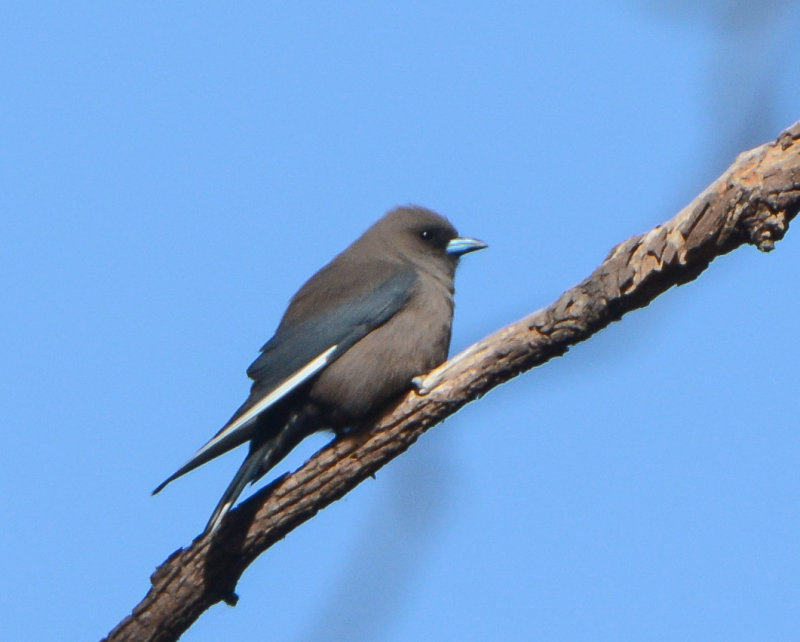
{"points": [[426, 235]]}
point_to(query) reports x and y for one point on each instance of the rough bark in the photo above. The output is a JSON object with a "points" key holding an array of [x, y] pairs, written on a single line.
{"points": [[751, 203]]}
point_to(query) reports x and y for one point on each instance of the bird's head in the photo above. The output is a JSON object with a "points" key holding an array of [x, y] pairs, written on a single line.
{"points": [[423, 237]]}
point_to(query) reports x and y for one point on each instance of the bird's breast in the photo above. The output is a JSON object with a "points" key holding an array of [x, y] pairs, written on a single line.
{"points": [[381, 366]]}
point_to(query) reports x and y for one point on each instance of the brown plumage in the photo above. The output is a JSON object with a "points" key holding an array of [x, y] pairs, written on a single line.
{"points": [[351, 340]]}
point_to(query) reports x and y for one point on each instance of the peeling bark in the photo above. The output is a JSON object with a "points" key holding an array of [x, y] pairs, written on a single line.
{"points": [[751, 203]]}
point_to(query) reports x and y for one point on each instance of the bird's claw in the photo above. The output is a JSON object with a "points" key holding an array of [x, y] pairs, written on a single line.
{"points": [[419, 386]]}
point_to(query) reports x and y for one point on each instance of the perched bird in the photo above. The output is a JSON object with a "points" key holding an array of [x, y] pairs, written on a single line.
{"points": [[352, 338]]}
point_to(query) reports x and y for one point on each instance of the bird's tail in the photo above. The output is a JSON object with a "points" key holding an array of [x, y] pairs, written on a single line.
{"points": [[259, 461]]}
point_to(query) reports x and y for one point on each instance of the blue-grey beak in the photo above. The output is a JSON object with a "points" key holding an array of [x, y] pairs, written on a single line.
{"points": [[462, 245]]}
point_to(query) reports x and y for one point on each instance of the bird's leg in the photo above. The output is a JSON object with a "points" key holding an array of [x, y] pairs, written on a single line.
{"points": [[424, 384]]}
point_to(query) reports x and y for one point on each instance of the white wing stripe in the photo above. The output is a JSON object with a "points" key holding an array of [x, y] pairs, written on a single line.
{"points": [[307, 371]]}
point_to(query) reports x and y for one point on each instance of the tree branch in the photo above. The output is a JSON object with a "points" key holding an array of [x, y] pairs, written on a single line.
{"points": [[752, 202]]}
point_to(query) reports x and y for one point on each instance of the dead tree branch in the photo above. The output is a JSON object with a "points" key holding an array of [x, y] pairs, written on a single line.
{"points": [[751, 203]]}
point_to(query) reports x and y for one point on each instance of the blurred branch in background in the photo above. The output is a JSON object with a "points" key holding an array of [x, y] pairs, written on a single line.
{"points": [[748, 40], [751, 203], [390, 552]]}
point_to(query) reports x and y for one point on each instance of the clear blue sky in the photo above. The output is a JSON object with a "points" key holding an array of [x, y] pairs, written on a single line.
{"points": [[171, 173]]}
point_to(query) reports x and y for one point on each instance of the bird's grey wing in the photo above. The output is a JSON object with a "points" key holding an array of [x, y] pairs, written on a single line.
{"points": [[298, 352]]}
